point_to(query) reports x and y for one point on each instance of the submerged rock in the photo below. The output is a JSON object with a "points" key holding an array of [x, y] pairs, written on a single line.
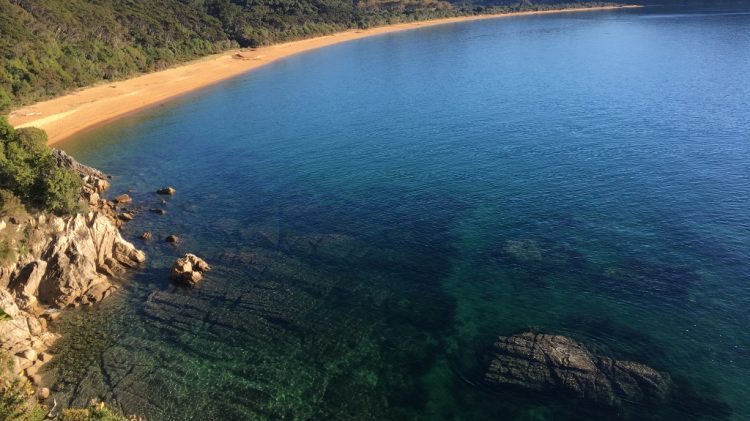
{"points": [[147, 235], [123, 198], [557, 363], [189, 270], [172, 239], [523, 250], [167, 191]]}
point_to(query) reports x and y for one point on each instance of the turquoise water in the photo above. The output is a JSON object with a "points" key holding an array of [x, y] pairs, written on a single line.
{"points": [[364, 205]]}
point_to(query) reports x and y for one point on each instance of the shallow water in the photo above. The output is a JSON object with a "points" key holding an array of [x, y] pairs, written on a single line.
{"points": [[377, 212]]}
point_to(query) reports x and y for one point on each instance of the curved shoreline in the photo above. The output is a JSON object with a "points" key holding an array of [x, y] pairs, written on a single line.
{"points": [[65, 116]]}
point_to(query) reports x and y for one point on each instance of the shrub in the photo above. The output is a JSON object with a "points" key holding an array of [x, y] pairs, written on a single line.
{"points": [[10, 205], [15, 394], [30, 172], [5, 101]]}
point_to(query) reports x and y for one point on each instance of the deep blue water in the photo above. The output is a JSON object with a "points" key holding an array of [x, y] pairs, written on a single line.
{"points": [[361, 204]]}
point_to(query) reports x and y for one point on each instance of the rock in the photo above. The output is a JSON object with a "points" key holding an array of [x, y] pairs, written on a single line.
{"points": [[127, 216], [34, 369], [36, 379], [198, 263], [554, 363], [159, 211], [29, 354], [97, 293], [146, 235], [188, 270], [49, 338], [89, 246], [93, 179], [35, 328], [123, 198], [172, 239], [3, 224], [57, 225], [194, 277], [23, 364], [167, 190], [94, 198], [26, 284], [44, 393], [52, 314], [45, 357]]}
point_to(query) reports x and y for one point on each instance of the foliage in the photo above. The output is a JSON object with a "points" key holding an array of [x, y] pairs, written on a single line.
{"points": [[29, 171], [51, 46], [5, 101], [13, 398], [15, 393], [95, 412]]}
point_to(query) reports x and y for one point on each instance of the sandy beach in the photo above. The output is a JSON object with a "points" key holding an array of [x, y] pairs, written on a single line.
{"points": [[72, 113]]}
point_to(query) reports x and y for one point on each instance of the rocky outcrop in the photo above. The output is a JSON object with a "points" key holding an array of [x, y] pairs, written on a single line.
{"points": [[24, 336], [66, 262], [555, 363], [94, 181], [188, 270], [81, 257]]}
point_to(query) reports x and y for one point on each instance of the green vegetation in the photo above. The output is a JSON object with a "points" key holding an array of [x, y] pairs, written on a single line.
{"points": [[29, 174], [16, 395], [51, 46], [95, 412]]}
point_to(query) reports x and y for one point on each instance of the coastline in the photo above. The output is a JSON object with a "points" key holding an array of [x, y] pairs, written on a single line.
{"points": [[70, 114]]}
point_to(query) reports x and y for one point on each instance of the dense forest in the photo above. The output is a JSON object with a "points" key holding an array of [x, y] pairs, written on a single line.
{"points": [[51, 46]]}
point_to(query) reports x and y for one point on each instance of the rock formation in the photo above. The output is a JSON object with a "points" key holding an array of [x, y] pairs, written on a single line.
{"points": [[554, 363], [66, 262], [189, 270], [94, 181]]}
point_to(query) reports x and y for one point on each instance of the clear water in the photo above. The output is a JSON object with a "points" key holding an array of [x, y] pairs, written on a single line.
{"points": [[359, 204]]}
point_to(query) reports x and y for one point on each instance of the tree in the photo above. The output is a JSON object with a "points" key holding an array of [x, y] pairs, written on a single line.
{"points": [[5, 102], [29, 171]]}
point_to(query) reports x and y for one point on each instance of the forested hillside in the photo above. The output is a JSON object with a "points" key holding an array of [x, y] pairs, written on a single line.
{"points": [[51, 46]]}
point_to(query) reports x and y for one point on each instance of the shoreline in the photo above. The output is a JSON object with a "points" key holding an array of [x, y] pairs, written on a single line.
{"points": [[86, 108]]}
